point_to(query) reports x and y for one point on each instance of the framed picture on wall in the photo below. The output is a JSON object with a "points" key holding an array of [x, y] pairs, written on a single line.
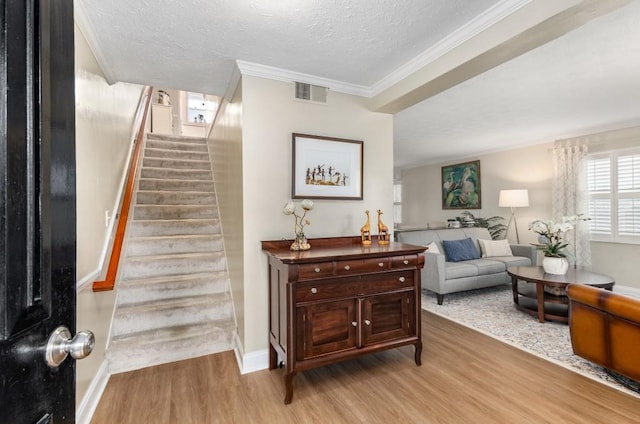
{"points": [[461, 186], [326, 168]]}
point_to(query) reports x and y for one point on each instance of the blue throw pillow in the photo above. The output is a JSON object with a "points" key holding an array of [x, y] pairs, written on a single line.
{"points": [[460, 250]]}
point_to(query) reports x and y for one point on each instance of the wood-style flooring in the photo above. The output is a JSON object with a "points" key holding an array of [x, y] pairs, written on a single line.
{"points": [[465, 377]]}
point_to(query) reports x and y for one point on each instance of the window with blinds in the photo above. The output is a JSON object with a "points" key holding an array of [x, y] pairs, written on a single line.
{"points": [[613, 181]]}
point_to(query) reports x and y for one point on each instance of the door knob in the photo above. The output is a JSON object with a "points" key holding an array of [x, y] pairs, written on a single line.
{"points": [[61, 344]]}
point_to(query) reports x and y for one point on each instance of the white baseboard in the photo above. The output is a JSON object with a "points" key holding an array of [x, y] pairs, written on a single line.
{"points": [[252, 361], [627, 290], [89, 403]]}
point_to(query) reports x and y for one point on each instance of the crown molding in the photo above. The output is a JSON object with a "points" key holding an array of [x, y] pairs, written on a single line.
{"points": [[485, 20], [81, 19], [233, 83], [474, 27], [278, 74]]}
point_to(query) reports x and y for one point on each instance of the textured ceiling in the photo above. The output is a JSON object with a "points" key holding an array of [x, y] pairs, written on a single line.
{"points": [[586, 79], [193, 44], [584, 82]]}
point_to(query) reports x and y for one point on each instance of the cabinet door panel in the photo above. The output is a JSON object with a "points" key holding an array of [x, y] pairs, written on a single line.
{"points": [[388, 317], [325, 328]]}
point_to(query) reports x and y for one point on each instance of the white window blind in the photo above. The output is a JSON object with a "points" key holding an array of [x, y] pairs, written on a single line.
{"points": [[629, 195], [613, 181], [599, 186]]}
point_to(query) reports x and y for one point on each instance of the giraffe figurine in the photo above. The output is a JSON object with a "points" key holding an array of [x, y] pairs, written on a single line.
{"points": [[383, 231], [365, 231]]}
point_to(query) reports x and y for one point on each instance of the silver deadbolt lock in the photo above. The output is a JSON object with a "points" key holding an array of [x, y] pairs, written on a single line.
{"points": [[61, 344]]}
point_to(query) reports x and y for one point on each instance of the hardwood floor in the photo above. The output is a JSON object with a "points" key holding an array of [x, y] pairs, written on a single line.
{"points": [[465, 377]]}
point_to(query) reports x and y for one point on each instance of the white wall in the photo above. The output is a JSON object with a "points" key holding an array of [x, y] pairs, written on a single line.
{"points": [[104, 135], [527, 168], [269, 116], [225, 147]]}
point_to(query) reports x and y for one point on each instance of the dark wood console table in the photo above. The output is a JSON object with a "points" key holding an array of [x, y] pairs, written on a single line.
{"points": [[341, 300]]}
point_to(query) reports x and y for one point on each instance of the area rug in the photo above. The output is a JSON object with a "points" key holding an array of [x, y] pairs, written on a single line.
{"points": [[491, 311]]}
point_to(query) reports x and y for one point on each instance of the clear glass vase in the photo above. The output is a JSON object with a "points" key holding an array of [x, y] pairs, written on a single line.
{"points": [[300, 243]]}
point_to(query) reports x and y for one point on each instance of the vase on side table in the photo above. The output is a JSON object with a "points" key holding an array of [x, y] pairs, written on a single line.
{"points": [[300, 243], [557, 266]]}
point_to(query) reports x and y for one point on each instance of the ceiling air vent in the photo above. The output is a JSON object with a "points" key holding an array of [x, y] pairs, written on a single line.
{"points": [[311, 93]]}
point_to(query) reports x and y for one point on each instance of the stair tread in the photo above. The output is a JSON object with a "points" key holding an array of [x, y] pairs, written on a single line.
{"points": [[173, 180], [175, 332], [173, 192], [172, 278], [213, 236], [178, 160], [176, 151], [167, 256], [172, 137], [172, 303]]}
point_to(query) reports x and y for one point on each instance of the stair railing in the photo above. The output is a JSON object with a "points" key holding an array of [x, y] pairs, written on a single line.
{"points": [[141, 119]]}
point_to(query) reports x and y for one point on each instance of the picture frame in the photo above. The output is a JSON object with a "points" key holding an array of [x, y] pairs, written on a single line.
{"points": [[461, 186], [326, 168]]}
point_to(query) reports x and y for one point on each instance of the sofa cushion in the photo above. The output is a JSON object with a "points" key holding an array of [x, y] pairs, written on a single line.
{"points": [[486, 266], [491, 248], [453, 270], [513, 260], [433, 248], [460, 250]]}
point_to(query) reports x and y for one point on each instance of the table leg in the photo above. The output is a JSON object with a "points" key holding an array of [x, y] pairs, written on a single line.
{"points": [[514, 288], [288, 385], [540, 300]]}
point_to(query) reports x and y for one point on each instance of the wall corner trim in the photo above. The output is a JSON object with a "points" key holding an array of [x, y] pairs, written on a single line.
{"points": [[252, 361], [81, 19], [89, 403]]}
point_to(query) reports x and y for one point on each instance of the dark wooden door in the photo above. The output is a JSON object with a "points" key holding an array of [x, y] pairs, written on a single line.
{"points": [[326, 327], [37, 208], [388, 317]]}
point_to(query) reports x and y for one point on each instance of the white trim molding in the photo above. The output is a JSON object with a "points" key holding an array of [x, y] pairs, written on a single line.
{"points": [[252, 361], [89, 403], [279, 74], [485, 20], [81, 19], [480, 23]]}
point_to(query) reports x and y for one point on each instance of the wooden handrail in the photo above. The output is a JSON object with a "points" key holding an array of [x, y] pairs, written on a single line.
{"points": [[110, 281]]}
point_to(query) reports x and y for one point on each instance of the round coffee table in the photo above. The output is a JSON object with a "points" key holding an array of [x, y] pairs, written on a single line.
{"points": [[530, 295]]}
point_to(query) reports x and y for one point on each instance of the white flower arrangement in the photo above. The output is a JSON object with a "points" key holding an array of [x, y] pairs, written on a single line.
{"points": [[299, 220], [552, 234]]}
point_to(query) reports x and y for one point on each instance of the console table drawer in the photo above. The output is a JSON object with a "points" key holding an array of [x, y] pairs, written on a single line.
{"points": [[409, 261], [313, 271], [327, 289], [361, 266], [387, 282]]}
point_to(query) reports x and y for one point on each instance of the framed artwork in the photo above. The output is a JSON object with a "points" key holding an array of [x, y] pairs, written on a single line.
{"points": [[461, 186], [326, 168]]}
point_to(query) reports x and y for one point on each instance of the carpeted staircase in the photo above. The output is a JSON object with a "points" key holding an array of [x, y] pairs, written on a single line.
{"points": [[173, 298]]}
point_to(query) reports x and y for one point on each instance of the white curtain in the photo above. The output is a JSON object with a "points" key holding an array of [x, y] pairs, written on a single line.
{"points": [[570, 196]]}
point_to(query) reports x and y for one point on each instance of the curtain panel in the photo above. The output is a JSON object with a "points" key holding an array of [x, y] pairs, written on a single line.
{"points": [[570, 196]]}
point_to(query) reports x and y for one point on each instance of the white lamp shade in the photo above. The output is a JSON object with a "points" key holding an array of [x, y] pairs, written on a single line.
{"points": [[514, 198]]}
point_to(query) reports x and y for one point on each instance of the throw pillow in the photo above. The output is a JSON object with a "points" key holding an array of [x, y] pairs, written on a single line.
{"points": [[460, 250], [495, 248], [433, 248]]}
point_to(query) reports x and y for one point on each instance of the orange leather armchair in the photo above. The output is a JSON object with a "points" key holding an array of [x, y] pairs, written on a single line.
{"points": [[605, 328]]}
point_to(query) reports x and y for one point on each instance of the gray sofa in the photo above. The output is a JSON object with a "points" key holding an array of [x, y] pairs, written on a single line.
{"points": [[443, 277]]}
